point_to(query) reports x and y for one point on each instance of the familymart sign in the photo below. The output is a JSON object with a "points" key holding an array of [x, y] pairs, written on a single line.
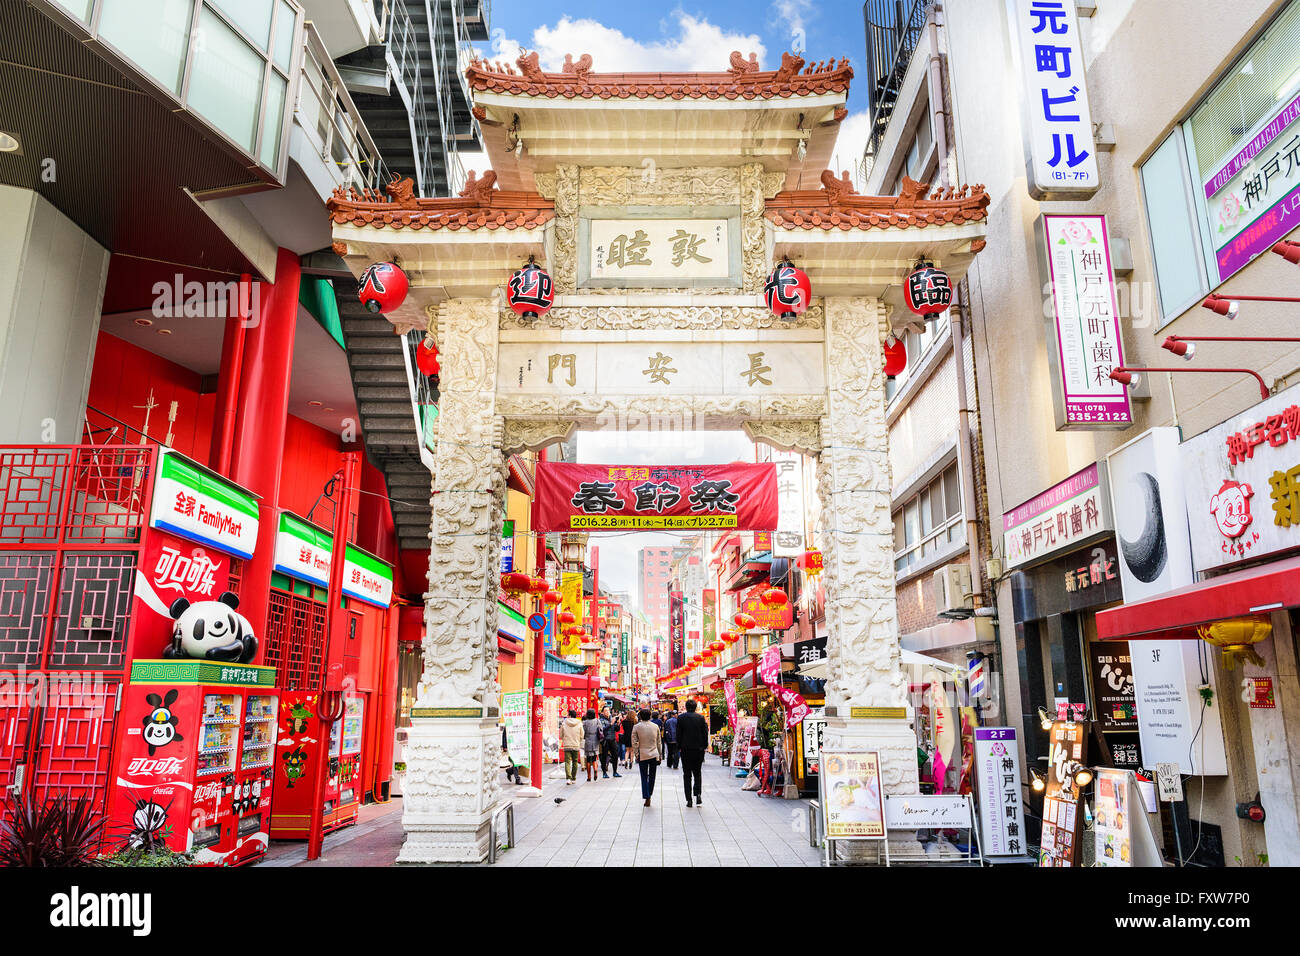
{"points": [[195, 504], [304, 551]]}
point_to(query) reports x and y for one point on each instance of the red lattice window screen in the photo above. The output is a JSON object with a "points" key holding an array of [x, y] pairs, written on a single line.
{"points": [[94, 610], [295, 641], [76, 736], [31, 494], [24, 606]]}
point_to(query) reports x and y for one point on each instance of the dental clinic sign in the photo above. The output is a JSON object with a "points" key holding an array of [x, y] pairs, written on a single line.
{"points": [[1060, 153], [195, 504], [1084, 341], [1061, 518]]}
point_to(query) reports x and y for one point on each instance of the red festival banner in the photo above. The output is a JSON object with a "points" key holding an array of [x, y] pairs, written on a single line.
{"points": [[655, 497]]}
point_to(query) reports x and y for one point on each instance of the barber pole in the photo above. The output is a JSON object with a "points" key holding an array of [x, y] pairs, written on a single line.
{"points": [[975, 677]]}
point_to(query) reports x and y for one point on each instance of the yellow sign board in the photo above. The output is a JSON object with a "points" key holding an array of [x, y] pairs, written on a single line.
{"points": [[571, 592], [891, 713]]}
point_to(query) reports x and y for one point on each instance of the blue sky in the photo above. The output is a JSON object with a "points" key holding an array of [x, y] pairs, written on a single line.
{"points": [[647, 37]]}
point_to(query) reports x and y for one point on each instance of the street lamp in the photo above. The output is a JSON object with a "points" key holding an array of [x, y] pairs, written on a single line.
{"points": [[1181, 345]]}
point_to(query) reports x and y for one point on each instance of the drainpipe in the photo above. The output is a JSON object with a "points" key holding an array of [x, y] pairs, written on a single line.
{"points": [[938, 111]]}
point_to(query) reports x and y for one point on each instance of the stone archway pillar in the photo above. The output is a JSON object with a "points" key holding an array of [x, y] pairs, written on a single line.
{"points": [[452, 778], [866, 691]]}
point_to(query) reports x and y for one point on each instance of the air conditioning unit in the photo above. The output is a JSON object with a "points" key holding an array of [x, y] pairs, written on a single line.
{"points": [[952, 591]]}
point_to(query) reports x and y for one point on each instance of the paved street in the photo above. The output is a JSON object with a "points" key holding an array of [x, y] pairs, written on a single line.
{"points": [[605, 824]]}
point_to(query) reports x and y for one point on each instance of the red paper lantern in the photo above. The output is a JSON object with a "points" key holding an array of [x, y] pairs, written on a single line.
{"points": [[927, 290], [515, 582], [552, 598], [745, 621], [788, 291], [567, 617], [383, 287], [895, 356], [717, 646], [530, 291], [730, 637], [774, 597], [538, 585], [426, 358]]}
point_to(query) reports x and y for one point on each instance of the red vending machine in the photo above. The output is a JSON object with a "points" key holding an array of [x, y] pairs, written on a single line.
{"points": [[300, 737], [195, 762]]}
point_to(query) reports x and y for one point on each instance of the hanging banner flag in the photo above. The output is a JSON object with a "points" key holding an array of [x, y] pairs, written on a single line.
{"points": [[796, 708], [655, 497], [769, 666], [729, 688]]}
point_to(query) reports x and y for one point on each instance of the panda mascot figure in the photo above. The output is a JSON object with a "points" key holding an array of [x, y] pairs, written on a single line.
{"points": [[211, 631]]}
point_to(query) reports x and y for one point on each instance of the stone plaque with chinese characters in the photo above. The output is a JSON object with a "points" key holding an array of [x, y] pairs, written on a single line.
{"points": [[661, 368], [643, 252]]}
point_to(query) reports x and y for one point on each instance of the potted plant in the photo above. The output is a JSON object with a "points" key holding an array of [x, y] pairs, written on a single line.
{"points": [[59, 832]]}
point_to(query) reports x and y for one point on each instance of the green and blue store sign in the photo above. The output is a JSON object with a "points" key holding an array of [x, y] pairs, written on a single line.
{"points": [[195, 504], [304, 551]]}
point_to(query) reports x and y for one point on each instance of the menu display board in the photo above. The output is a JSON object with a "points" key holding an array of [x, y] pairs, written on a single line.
{"points": [[851, 795], [1062, 810]]}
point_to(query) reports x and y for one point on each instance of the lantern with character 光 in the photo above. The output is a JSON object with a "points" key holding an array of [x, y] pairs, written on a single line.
{"points": [[788, 291]]}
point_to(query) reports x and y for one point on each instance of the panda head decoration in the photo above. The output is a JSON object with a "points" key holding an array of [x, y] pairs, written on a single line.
{"points": [[211, 631]]}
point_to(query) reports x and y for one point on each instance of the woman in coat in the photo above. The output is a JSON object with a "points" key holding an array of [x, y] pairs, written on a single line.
{"points": [[590, 743], [645, 744]]}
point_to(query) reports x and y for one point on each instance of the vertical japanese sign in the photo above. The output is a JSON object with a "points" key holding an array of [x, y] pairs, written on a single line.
{"points": [[1062, 803], [676, 629], [729, 688], [788, 539], [997, 771], [1085, 344], [710, 616], [1060, 153], [1254, 197], [514, 714], [571, 592]]}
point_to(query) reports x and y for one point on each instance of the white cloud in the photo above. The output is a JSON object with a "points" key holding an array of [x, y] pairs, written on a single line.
{"points": [[791, 15], [698, 46], [854, 132]]}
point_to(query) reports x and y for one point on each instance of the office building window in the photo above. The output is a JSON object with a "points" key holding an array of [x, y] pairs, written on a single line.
{"points": [[1225, 185], [930, 523]]}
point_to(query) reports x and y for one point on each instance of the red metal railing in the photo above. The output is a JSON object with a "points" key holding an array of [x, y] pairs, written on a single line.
{"points": [[72, 520]]}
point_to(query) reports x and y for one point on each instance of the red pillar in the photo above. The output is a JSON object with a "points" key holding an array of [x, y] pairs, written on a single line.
{"points": [[238, 313], [258, 444], [536, 679]]}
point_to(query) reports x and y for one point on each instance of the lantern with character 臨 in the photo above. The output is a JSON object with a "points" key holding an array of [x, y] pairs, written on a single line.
{"points": [[927, 290]]}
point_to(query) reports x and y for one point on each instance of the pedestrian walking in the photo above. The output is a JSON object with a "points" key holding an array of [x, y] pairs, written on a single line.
{"points": [[645, 741], [692, 742], [590, 743], [658, 720], [626, 740], [571, 744], [609, 752], [670, 737]]}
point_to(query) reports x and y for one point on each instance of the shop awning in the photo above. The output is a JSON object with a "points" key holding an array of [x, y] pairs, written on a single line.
{"points": [[1269, 587], [740, 670]]}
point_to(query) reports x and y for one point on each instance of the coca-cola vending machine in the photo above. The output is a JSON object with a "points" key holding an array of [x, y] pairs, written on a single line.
{"points": [[194, 765]]}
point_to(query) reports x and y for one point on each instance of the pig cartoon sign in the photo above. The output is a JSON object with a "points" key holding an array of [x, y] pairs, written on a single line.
{"points": [[1231, 508]]}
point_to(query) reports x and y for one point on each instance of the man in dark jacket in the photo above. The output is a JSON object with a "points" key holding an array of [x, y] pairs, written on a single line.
{"points": [[609, 730], [692, 742], [670, 740]]}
